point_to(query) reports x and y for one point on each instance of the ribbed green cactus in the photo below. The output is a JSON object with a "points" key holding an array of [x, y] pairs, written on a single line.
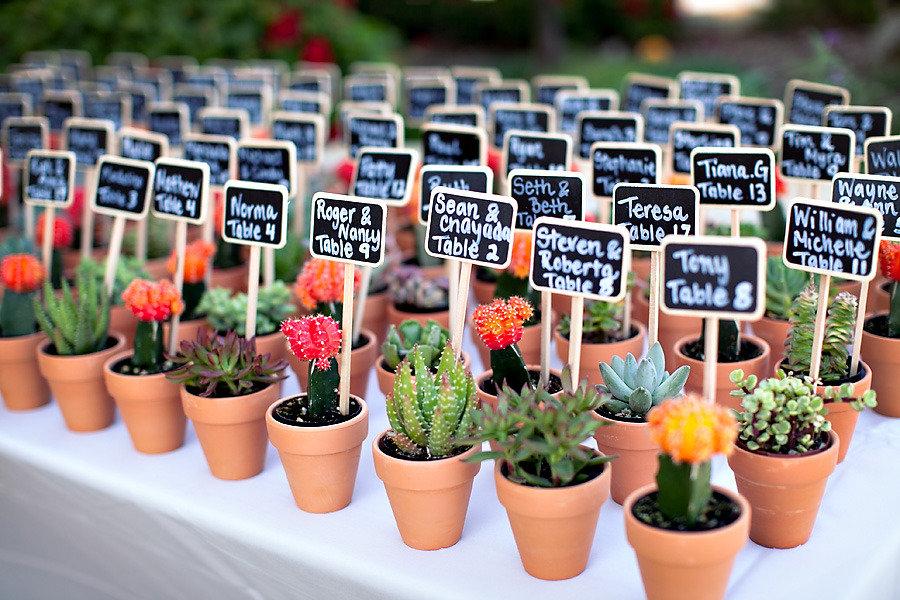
{"points": [[838, 335], [634, 387], [17, 314], [428, 339], [75, 323]]}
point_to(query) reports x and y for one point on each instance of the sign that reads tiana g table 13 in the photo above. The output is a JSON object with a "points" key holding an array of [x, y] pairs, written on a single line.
{"points": [[546, 193], [49, 178], [652, 212], [123, 187], [179, 190], [734, 177], [255, 214], [873, 191], [347, 229]]}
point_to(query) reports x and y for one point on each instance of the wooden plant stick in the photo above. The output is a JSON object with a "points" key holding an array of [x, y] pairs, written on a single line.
{"points": [[29, 221], [268, 267], [365, 278], [710, 357], [735, 223], [14, 205], [47, 241], [626, 316], [653, 317], [252, 292], [301, 205], [575, 330], [546, 331], [452, 267], [858, 327], [180, 244], [346, 341], [815, 361], [459, 318], [140, 239], [115, 249], [87, 215]]}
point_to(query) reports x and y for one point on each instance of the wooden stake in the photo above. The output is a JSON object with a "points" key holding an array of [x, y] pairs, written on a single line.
{"points": [[299, 211], [459, 319], [858, 328], [87, 215], [269, 266], [29, 221], [252, 293], [140, 239], [364, 281], [180, 244], [346, 341], [710, 358], [452, 267], [14, 203], [815, 361], [735, 223], [576, 320], [626, 315], [115, 249], [47, 242], [546, 331], [653, 317], [209, 236]]}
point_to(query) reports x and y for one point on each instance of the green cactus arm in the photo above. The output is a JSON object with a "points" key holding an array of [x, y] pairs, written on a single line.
{"points": [[618, 388], [413, 422], [673, 386], [393, 412]]}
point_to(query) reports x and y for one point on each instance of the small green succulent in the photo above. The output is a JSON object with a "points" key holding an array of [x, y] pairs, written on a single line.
{"points": [[839, 326], [783, 284], [428, 339], [77, 323], [631, 387], [128, 268], [226, 311]]}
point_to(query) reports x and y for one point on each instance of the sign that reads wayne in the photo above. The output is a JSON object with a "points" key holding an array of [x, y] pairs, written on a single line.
{"points": [[546, 193], [123, 187], [348, 229], [757, 119], [472, 179], [180, 190], [306, 132], [817, 153], [217, 152], [607, 126], [23, 134], [687, 136], [520, 117], [385, 174], [49, 178], [580, 259], [883, 156], [255, 214], [652, 212], [623, 162], [874, 191], [267, 161], [453, 145], [89, 139], [538, 151], [373, 130], [734, 177], [471, 227]]}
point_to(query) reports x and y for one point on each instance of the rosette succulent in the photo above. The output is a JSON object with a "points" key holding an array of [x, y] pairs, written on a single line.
{"points": [[632, 387]]}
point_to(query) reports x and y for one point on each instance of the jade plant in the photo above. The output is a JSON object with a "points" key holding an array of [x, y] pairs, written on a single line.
{"points": [[21, 275], [196, 261], [320, 287], [426, 339], [839, 325], [500, 327], [317, 339], [411, 291], [128, 268], [431, 414], [227, 311], [783, 284], [151, 303], [631, 387], [76, 323]]}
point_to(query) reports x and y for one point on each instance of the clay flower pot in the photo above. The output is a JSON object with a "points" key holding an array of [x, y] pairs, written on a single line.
{"points": [[883, 355], [758, 366], [273, 344], [396, 316], [671, 329], [483, 290], [77, 384], [784, 491], [429, 498], [879, 296], [233, 278], [375, 317], [594, 354], [231, 430], [320, 462], [635, 451], [386, 377], [21, 383], [529, 345], [123, 321], [361, 361], [150, 405], [553, 527], [775, 333], [486, 398], [842, 415], [685, 564]]}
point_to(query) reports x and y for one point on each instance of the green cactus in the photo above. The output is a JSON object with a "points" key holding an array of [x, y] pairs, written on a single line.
{"points": [[729, 341], [227, 255], [78, 323], [633, 387], [839, 324], [228, 312], [17, 314], [149, 356], [783, 284], [427, 339]]}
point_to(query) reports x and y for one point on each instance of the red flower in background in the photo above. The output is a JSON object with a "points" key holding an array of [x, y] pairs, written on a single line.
{"points": [[889, 257], [316, 338], [284, 31], [317, 49], [494, 161], [344, 171], [780, 185], [62, 231], [74, 210]]}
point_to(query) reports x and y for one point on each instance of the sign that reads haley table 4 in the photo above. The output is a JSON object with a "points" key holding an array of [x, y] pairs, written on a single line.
{"points": [[734, 177], [714, 276], [472, 227], [89, 139], [817, 153], [757, 119], [832, 239], [864, 121], [805, 101], [521, 117], [22, 134], [883, 156], [49, 178], [268, 161], [305, 131], [348, 229], [580, 259], [255, 214], [218, 152], [453, 145], [385, 174], [873, 191], [379, 131], [652, 212], [473, 179], [687, 136], [623, 162], [607, 126], [123, 187], [546, 193], [660, 113], [180, 190], [537, 151], [138, 144]]}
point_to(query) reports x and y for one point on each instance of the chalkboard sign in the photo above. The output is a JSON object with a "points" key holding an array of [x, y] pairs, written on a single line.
{"points": [[507, 92], [13, 105], [268, 161], [816, 153], [538, 151], [707, 88], [623, 162], [49, 178], [140, 96], [660, 113], [805, 101], [112, 106], [195, 98], [309, 81], [472, 179], [255, 214], [59, 105], [467, 115], [21, 134], [832, 239], [471, 227], [547, 87], [122, 187], [138, 144], [230, 122], [305, 131], [521, 117], [546, 194], [385, 175], [305, 102], [580, 259], [873, 191], [639, 87], [734, 177], [714, 276], [607, 126], [423, 93], [368, 89], [217, 151], [180, 190], [347, 229], [883, 156], [863, 121], [467, 79], [569, 103], [169, 119], [453, 145], [89, 139], [653, 212], [687, 136], [254, 100], [757, 119], [377, 131]]}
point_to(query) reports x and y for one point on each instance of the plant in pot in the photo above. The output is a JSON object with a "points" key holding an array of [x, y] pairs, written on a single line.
{"points": [[670, 328], [63, 235], [226, 387], [319, 445], [415, 296], [78, 345], [21, 384], [551, 485], [128, 268], [783, 284], [881, 336], [197, 255], [685, 531], [422, 458], [401, 340], [149, 403], [630, 389]]}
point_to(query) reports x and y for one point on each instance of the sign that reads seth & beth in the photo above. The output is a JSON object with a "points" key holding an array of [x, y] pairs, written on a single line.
{"points": [[734, 177], [872, 191], [652, 212], [385, 174], [474, 179], [546, 193], [453, 145], [255, 214], [623, 162], [537, 151], [347, 229], [123, 187], [49, 178], [817, 153], [180, 190]]}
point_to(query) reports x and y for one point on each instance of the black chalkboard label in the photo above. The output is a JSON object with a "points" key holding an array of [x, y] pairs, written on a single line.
{"points": [[373, 130], [180, 190], [734, 177], [266, 161], [49, 178], [757, 119], [471, 227], [140, 96], [883, 156], [21, 134], [489, 94], [548, 87], [195, 99], [470, 115], [254, 101], [817, 153], [873, 191], [255, 214], [467, 79], [571, 102], [623, 162], [58, 106], [89, 139], [305, 102], [546, 194], [659, 114], [863, 121], [231, 122], [687, 136], [580, 259], [13, 105], [714, 276], [170, 120], [122, 187], [706, 88], [805, 101], [367, 90], [347, 229], [519, 117], [538, 151], [138, 144], [305, 131], [453, 145], [472, 179], [641, 87], [607, 126], [218, 152], [653, 212], [425, 93], [385, 175], [112, 106]]}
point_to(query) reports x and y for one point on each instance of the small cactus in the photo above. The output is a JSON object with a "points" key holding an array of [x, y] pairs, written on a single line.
{"points": [[633, 387], [410, 288], [428, 339], [76, 323], [21, 275]]}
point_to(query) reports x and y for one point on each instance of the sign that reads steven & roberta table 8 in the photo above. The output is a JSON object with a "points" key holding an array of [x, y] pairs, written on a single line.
{"points": [[546, 193], [875, 191], [347, 229], [471, 227], [49, 178], [580, 259], [123, 187], [255, 214], [652, 212], [734, 177], [180, 189]]}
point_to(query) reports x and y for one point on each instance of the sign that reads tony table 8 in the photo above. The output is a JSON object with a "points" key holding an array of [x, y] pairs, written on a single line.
{"points": [[875, 191], [546, 193], [385, 174], [255, 214], [474, 179], [180, 189], [734, 177], [580, 259], [122, 188], [652, 212], [49, 178], [347, 229], [471, 227]]}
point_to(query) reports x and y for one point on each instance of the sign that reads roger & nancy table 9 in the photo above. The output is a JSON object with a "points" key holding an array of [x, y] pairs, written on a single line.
{"points": [[123, 187], [652, 212], [883, 156], [687, 136], [255, 214], [180, 190], [268, 161], [218, 152], [474, 179], [874, 191], [623, 162], [453, 145], [546, 193], [817, 153], [380, 131], [347, 229], [385, 174], [734, 177], [538, 151], [49, 178]]}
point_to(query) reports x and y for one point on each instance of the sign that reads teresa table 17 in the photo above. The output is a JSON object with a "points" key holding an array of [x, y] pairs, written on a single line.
{"points": [[180, 190], [874, 191], [734, 177], [255, 214], [816, 153], [347, 229], [653, 212], [385, 174], [123, 187], [546, 193], [49, 178], [623, 162], [474, 179]]}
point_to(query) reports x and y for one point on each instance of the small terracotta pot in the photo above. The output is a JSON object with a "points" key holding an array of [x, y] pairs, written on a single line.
{"points": [[361, 362], [852, 287], [784, 491], [758, 366], [671, 329], [883, 355], [396, 316], [231, 430], [232, 278], [320, 462], [486, 398], [77, 385], [553, 527], [187, 330], [594, 354], [156, 268], [150, 405], [635, 451], [879, 296], [21, 383], [121, 320], [775, 333], [676, 565], [640, 266], [529, 345], [841, 415], [483, 290], [375, 317], [774, 249], [429, 498], [273, 344], [386, 377]]}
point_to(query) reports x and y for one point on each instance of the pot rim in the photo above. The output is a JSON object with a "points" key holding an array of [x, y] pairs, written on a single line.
{"points": [[872, 315], [549, 491], [467, 362], [641, 333], [120, 341], [184, 390], [107, 367], [733, 495], [603, 417], [832, 447], [758, 341], [22, 338], [434, 464], [530, 368], [272, 421]]}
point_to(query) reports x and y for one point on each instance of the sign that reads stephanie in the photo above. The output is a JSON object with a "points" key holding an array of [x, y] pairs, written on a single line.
{"points": [[687, 136], [538, 151], [546, 193], [623, 162], [22, 134], [218, 152], [580, 259], [652, 212], [347, 229], [385, 174], [521, 117], [817, 153], [714, 276], [180, 190], [734, 177], [832, 239], [123, 187], [473, 179], [883, 156], [453, 145], [89, 139], [471, 227], [267, 161], [255, 214], [373, 130], [757, 119], [49, 178], [874, 191], [607, 126], [305, 131]]}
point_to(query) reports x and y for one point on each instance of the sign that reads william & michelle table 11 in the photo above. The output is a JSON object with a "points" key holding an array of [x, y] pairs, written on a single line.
{"points": [[347, 229], [49, 178], [385, 174], [653, 212], [180, 190], [474, 179], [123, 187], [255, 214], [734, 177], [874, 191], [546, 193]]}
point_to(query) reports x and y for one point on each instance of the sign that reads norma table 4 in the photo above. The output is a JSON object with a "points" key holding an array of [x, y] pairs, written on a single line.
{"points": [[218, 152], [653, 212], [714, 276], [472, 179], [255, 214], [757, 119], [385, 174], [734, 177], [373, 130], [123, 187], [883, 156], [816, 153], [607, 126], [472, 227], [873, 191], [546, 193], [267, 161], [347, 229], [49, 178], [687, 136], [180, 190], [623, 162], [538, 151], [306, 132], [458, 145], [580, 259]]}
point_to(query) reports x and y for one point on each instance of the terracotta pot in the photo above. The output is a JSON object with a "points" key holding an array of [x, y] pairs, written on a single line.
{"points": [[879, 296], [386, 377], [841, 415], [375, 317], [883, 355], [676, 565], [594, 354], [758, 366], [853, 287], [150, 406], [775, 333], [77, 385], [774, 249], [123, 321], [483, 290], [320, 462], [273, 344], [156, 268], [429, 499], [233, 278], [640, 266], [529, 345], [671, 329], [21, 383], [187, 330], [231, 430], [396, 316], [635, 451], [553, 527], [486, 398], [784, 491], [361, 362]]}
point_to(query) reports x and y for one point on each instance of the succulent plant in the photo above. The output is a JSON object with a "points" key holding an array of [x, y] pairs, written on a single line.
{"points": [[839, 325], [499, 324], [21, 275], [427, 339], [17, 244], [226, 311], [411, 289], [602, 322], [151, 303], [159, 239], [75, 323], [633, 387], [128, 268], [747, 229], [783, 284]]}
